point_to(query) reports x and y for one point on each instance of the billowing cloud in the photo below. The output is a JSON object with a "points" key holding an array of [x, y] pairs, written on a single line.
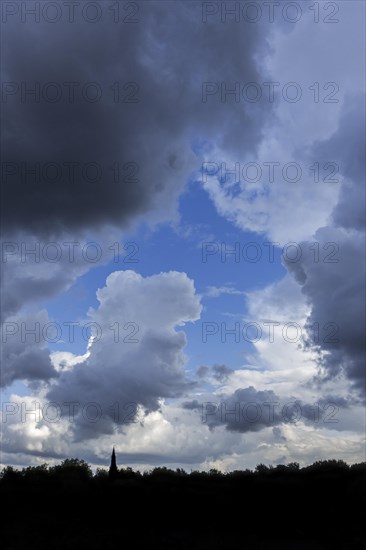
{"points": [[336, 294], [332, 275], [136, 356]]}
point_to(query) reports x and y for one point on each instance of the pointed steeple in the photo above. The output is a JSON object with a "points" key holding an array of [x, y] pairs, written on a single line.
{"points": [[113, 470]]}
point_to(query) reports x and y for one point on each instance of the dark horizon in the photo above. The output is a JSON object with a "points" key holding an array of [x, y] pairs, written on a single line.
{"points": [[265, 498]]}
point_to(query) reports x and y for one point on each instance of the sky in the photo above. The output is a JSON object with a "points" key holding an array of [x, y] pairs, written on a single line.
{"points": [[183, 233]]}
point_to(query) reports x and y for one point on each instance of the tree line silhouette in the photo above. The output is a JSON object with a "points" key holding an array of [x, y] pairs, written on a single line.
{"points": [[320, 506]]}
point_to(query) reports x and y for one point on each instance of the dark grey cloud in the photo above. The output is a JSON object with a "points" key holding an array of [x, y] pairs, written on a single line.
{"points": [[334, 283], [251, 410], [348, 143], [246, 410], [28, 278], [221, 373], [217, 373], [193, 405], [168, 54], [203, 371], [25, 356], [29, 363]]}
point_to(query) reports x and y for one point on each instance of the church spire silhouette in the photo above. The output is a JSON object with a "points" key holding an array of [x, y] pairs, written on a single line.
{"points": [[113, 470]]}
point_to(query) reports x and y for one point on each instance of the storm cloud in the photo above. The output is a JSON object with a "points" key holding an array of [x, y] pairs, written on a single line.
{"points": [[115, 113], [251, 410], [25, 355], [333, 281]]}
